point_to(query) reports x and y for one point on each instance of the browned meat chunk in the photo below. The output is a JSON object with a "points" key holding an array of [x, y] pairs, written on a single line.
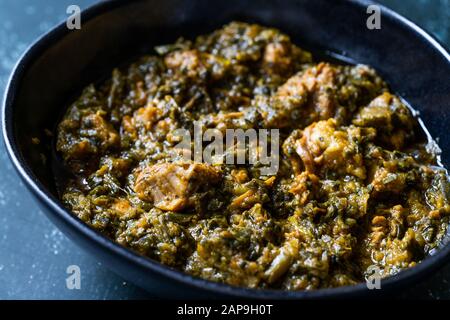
{"points": [[187, 61], [96, 126], [324, 148], [277, 53], [393, 118], [281, 56], [151, 123], [385, 181], [390, 172], [304, 97], [90, 135], [173, 186], [318, 93]]}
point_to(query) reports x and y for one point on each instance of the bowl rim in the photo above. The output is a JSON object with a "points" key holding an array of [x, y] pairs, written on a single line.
{"points": [[45, 41]]}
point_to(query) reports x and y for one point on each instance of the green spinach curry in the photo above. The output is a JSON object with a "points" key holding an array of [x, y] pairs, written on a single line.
{"points": [[357, 184]]}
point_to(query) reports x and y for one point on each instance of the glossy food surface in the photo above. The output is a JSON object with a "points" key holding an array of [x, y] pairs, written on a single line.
{"points": [[358, 185]]}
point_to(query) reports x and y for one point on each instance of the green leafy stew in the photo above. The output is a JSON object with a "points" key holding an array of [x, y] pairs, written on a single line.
{"points": [[357, 184]]}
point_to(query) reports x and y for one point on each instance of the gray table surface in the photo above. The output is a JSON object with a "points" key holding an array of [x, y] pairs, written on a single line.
{"points": [[34, 254]]}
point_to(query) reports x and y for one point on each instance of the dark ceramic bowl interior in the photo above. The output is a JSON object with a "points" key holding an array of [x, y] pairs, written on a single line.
{"points": [[62, 62]]}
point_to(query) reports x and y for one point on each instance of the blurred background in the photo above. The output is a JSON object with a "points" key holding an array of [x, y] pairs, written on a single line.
{"points": [[34, 255]]}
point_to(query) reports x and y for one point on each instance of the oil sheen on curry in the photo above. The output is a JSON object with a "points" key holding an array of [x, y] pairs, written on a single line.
{"points": [[357, 184]]}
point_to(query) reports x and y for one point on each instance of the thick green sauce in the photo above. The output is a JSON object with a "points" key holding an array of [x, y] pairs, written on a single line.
{"points": [[356, 187]]}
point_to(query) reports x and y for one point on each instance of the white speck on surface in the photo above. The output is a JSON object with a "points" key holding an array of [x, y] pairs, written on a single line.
{"points": [[30, 10], [54, 240]]}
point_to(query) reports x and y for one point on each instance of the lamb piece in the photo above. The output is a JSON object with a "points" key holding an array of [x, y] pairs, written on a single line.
{"points": [[174, 186], [277, 54], [187, 61], [318, 93], [147, 116], [151, 123], [91, 134], [390, 172], [281, 57], [393, 119], [325, 149], [99, 129], [386, 181], [304, 98]]}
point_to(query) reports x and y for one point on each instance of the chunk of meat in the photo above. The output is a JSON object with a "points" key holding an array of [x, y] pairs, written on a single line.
{"points": [[147, 116], [123, 209], [318, 93], [277, 53], [243, 43], [385, 181], [324, 148], [97, 127], [304, 98], [173, 186], [280, 57], [391, 116], [90, 135], [152, 122], [390, 172], [187, 61]]}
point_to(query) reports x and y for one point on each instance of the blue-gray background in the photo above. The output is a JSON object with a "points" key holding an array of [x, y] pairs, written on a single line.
{"points": [[34, 255]]}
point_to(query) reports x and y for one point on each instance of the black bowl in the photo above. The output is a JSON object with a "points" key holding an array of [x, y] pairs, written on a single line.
{"points": [[62, 62]]}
